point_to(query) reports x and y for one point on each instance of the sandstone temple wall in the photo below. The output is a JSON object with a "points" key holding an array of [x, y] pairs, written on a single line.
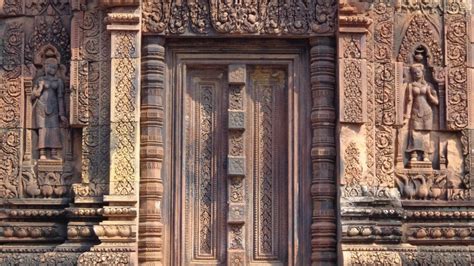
{"points": [[382, 107]]}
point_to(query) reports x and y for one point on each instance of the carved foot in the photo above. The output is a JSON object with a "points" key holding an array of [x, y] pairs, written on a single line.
{"points": [[54, 154], [42, 154]]}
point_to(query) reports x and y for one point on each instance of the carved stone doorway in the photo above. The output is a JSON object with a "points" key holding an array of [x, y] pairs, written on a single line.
{"points": [[238, 191]]}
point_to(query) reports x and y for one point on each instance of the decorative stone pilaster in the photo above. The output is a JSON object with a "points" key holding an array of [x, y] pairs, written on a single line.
{"points": [[118, 232], [150, 245], [323, 151], [236, 166]]}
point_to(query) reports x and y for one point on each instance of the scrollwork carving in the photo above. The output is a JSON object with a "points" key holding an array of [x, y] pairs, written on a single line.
{"points": [[421, 31], [240, 17], [353, 169], [456, 98]]}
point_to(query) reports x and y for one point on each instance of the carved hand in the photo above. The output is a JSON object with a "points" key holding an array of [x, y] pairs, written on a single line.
{"points": [[64, 121], [38, 89]]}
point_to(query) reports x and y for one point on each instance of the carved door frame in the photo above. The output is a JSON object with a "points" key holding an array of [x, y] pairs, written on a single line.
{"points": [[293, 57], [319, 241]]}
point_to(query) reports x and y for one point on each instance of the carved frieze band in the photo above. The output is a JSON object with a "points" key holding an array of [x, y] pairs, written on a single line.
{"points": [[208, 17]]}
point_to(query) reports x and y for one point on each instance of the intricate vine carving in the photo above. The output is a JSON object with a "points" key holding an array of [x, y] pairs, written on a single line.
{"points": [[49, 30], [13, 7], [240, 17], [353, 168], [10, 161], [456, 98], [100, 258], [375, 257], [264, 175], [353, 95], [206, 197], [384, 147], [421, 32]]}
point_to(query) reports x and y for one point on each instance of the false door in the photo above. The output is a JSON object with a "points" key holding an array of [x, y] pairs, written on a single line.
{"points": [[235, 165]]}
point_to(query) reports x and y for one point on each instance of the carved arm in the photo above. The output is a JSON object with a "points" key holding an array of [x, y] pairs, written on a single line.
{"points": [[409, 103], [432, 95], [37, 90]]}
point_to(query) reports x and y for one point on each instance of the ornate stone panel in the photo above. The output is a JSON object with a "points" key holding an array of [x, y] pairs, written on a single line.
{"points": [[210, 17], [204, 174], [269, 163], [405, 171], [280, 104], [234, 186]]}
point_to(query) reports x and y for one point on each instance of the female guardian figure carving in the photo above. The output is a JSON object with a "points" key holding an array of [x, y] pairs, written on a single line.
{"points": [[48, 109], [421, 97]]}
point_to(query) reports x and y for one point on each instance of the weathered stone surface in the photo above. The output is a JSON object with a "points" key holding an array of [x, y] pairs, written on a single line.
{"points": [[223, 132]]}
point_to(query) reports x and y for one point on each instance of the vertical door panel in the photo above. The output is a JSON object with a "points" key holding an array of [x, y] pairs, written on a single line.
{"points": [[269, 162], [214, 235], [204, 173]]}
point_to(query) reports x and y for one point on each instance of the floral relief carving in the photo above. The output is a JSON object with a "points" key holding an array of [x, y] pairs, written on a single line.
{"points": [[457, 98], [420, 30], [352, 170], [9, 170], [49, 30], [353, 109], [12, 7], [240, 17], [124, 130], [383, 32], [375, 258], [352, 48], [264, 171], [205, 177]]}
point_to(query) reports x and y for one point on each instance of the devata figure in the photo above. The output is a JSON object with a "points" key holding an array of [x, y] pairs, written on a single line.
{"points": [[48, 110], [421, 97]]}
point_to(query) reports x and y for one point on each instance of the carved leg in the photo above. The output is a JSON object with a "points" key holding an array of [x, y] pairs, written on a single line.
{"points": [[54, 154], [42, 153]]}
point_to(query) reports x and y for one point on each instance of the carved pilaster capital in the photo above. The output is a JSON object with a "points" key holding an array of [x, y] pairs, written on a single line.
{"points": [[351, 19]]}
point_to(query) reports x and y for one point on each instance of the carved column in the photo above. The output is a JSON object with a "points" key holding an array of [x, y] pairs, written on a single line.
{"points": [[150, 245], [117, 233], [323, 151]]}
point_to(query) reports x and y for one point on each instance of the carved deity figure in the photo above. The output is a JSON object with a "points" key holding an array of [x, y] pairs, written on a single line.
{"points": [[421, 97], [48, 109]]}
